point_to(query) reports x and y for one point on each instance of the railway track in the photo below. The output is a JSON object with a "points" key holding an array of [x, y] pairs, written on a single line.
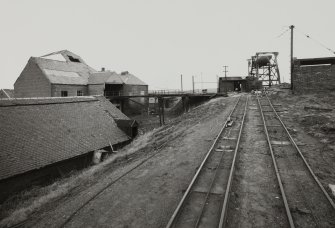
{"points": [[209, 189], [306, 201], [300, 199]]}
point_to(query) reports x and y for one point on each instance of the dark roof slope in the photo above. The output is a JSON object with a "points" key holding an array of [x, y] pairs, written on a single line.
{"points": [[111, 109], [316, 61], [231, 78], [38, 132]]}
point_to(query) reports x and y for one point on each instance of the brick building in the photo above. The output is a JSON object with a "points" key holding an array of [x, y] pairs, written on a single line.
{"points": [[110, 84], [42, 135], [63, 73], [314, 75], [59, 74]]}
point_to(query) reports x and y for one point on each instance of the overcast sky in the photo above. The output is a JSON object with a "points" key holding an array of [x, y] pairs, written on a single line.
{"points": [[159, 40]]}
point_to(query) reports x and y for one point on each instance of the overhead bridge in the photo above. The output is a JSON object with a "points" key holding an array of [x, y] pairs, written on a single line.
{"points": [[159, 94], [187, 97]]}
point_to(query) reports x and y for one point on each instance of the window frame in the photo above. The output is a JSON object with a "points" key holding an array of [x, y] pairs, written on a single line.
{"points": [[64, 93]]}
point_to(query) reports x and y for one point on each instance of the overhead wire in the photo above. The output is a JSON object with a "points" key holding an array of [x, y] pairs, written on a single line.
{"points": [[281, 34], [316, 41]]}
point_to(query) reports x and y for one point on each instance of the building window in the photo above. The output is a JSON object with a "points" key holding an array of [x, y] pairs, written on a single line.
{"points": [[63, 93], [80, 93], [73, 59]]}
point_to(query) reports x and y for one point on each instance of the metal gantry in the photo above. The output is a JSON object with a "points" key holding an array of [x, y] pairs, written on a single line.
{"points": [[264, 66]]}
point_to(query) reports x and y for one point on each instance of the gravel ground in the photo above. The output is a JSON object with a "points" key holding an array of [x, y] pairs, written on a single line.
{"points": [[312, 129], [255, 200]]}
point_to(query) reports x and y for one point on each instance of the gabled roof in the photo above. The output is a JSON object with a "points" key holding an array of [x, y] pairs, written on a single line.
{"points": [[38, 132], [71, 71], [107, 77], [6, 93]]}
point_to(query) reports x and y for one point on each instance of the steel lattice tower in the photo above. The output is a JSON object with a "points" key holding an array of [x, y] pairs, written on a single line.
{"points": [[264, 66]]}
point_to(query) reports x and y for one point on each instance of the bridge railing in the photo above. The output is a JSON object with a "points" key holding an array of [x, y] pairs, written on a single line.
{"points": [[167, 92], [154, 92]]}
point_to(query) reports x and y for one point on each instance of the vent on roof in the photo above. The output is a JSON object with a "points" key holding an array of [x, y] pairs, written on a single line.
{"points": [[124, 73], [73, 59]]}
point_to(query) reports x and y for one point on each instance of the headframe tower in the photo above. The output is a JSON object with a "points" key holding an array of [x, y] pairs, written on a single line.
{"points": [[264, 66]]}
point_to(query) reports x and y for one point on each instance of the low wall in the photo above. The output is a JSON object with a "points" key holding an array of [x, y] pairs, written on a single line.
{"points": [[313, 78]]}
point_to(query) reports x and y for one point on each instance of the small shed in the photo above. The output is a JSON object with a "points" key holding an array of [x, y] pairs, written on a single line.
{"points": [[230, 84]]}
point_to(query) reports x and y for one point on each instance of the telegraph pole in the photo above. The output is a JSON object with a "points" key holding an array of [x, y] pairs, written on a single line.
{"points": [[193, 83], [291, 69], [181, 82], [225, 71]]}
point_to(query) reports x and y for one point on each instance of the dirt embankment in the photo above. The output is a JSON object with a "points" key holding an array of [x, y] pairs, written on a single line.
{"points": [[139, 186], [311, 120]]}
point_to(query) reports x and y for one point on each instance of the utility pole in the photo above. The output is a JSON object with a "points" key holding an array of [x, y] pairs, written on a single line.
{"points": [[291, 68], [225, 71], [193, 82], [181, 82], [225, 76]]}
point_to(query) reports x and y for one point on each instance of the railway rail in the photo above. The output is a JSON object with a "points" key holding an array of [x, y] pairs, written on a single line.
{"points": [[206, 201], [307, 203], [209, 189]]}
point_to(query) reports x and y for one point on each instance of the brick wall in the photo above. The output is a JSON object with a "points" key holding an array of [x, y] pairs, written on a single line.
{"points": [[313, 78], [71, 90], [96, 89], [32, 82]]}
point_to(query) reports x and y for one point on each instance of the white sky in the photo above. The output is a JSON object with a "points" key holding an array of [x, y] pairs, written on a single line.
{"points": [[158, 40]]}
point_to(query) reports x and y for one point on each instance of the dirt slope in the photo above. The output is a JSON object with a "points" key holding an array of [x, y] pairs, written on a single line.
{"points": [[146, 196]]}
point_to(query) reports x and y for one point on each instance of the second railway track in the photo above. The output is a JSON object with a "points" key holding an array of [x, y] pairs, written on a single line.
{"points": [[273, 185], [308, 203]]}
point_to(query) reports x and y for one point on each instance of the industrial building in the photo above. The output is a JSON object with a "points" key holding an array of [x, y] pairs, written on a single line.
{"points": [[314, 75], [59, 74], [113, 85], [63, 74], [230, 84], [41, 136]]}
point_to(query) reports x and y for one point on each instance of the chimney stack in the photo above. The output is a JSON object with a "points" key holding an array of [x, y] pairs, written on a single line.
{"points": [[102, 69]]}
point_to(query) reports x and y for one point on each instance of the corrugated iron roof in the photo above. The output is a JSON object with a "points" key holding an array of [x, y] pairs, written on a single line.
{"points": [[38, 132], [108, 77], [72, 71]]}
